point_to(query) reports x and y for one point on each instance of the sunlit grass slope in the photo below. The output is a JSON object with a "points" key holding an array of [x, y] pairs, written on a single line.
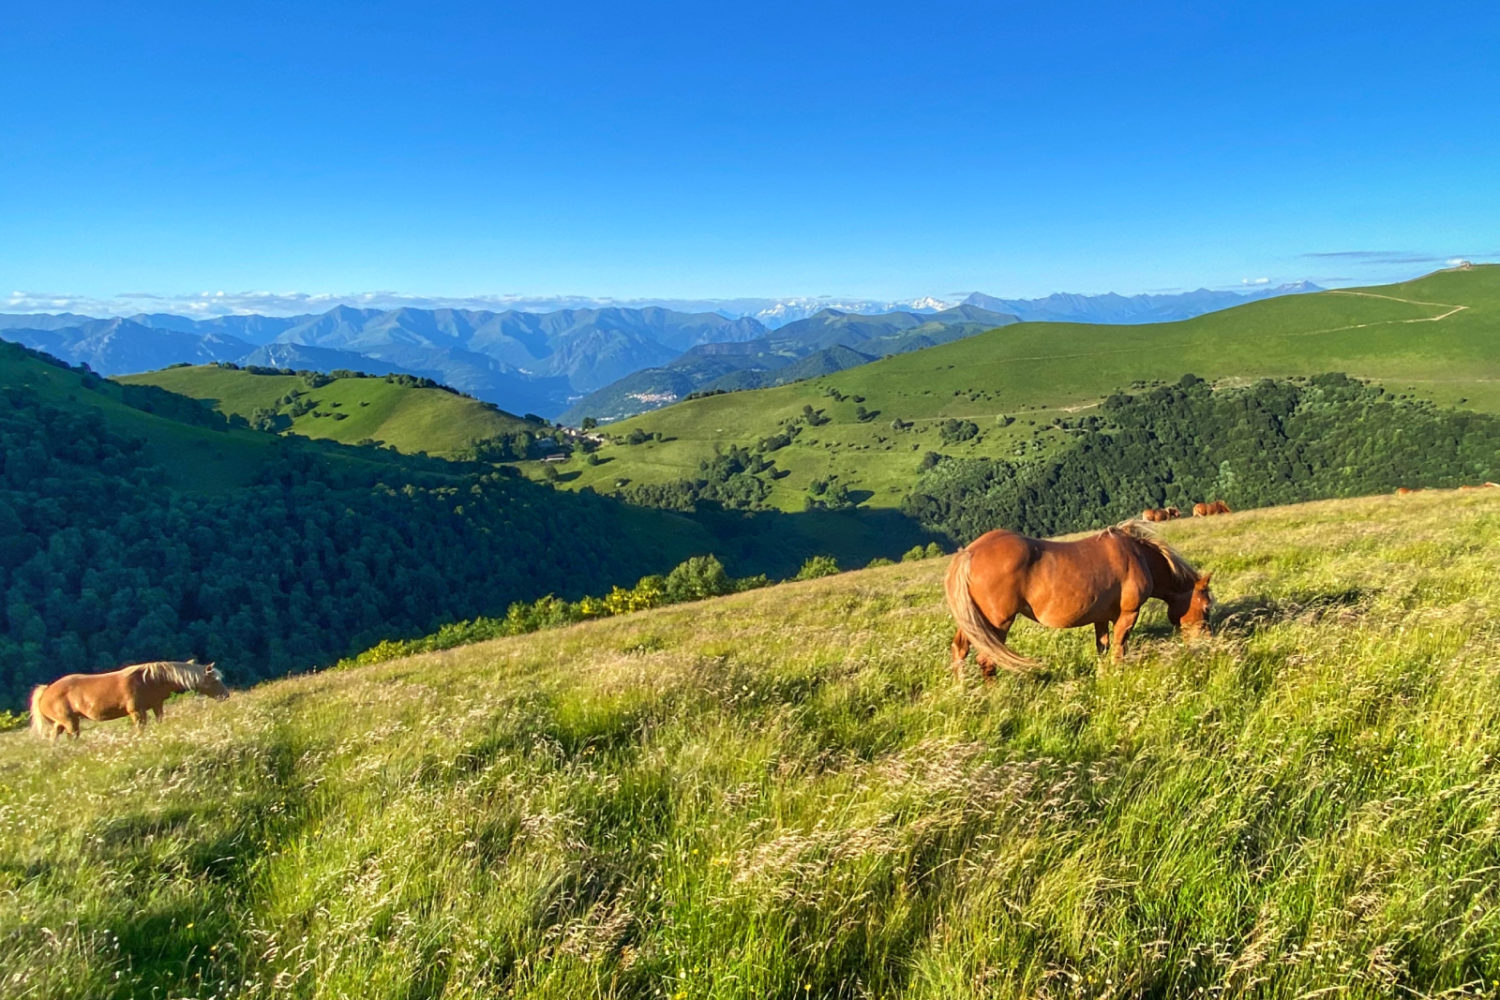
{"points": [[194, 458], [348, 410], [782, 793], [1437, 337]]}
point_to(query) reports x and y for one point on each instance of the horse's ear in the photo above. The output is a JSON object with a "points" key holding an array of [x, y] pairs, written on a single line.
{"points": [[1203, 580]]}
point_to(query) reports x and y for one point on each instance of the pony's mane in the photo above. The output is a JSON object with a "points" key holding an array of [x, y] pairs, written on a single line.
{"points": [[183, 672], [1183, 573]]}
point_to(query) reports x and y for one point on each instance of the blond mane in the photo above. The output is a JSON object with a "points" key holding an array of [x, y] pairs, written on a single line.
{"points": [[1183, 573], [184, 673]]}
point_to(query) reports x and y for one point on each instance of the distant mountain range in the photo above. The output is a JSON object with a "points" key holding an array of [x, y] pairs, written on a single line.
{"points": [[555, 362], [1118, 309], [825, 342], [521, 361]]}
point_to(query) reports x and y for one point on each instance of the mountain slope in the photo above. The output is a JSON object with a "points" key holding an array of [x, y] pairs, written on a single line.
{"points": [[841, 339], [410, 418], [1434, 337], [784, 793], [138, 524], [113, 346]]}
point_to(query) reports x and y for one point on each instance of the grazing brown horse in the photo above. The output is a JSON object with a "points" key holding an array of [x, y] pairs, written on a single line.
{"points": [[1209, 509], [56, 708], [1160, 514], [1094, 581]]}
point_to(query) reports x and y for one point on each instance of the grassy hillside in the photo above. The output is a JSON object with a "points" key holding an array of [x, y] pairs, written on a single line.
{"points": [[139, 524], [782, 793], [1434, 337], [348, 410], [193, 457]]}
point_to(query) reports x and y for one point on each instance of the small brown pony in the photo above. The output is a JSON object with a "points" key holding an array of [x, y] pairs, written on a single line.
{"points": [[56, 708], [1209, 509], [1160, 514], [1093, 581]]}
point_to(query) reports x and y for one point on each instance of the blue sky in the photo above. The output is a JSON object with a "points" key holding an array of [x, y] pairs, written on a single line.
{"points": [[716, 150]]}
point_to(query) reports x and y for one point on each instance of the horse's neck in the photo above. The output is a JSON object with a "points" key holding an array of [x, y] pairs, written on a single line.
{"points": [[1163, 577], [167, 679]]}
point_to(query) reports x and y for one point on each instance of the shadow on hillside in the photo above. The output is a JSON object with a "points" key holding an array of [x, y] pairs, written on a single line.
{"points": [[777, 543], [1245, 616]]}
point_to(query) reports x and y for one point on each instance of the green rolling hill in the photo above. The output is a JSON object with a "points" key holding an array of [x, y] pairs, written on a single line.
{"points": [[139, 524], [192, 454], [387, 410], [784, 793], [1437, 337]]}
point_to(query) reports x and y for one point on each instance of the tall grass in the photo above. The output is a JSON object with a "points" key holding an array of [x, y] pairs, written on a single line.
{"points": [[783, 793]]}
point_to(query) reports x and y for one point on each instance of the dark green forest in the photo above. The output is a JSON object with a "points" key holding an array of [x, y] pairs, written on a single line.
{"points": [[1274, 442], [328, 551]]}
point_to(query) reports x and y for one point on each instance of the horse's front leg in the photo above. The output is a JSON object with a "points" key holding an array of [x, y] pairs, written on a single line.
{"points": [[158, 711], [1101, 637], [1123, 625], [139, 715]]}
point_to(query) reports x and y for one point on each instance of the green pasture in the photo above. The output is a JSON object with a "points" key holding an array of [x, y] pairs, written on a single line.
{"points": [[783, 793]]}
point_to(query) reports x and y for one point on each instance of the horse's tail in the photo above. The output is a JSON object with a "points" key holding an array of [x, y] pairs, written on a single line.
{"points": [[972, 622], [40, 724]]}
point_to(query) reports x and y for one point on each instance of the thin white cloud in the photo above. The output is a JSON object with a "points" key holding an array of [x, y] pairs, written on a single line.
{"points": [[221, 303], [1255, 281]]}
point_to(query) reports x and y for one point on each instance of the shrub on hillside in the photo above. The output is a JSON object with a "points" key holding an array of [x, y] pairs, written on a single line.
{"points": [[817, 566], [697, 578]]}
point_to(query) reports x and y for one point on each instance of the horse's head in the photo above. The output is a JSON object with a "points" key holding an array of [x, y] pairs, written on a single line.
{"points": [[211, 683], [1189, 610]]}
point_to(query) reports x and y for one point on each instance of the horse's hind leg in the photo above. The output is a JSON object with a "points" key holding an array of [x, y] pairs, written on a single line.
{"points": [[988, 667], [1123, 625], [1101, 637], [960, 650]]}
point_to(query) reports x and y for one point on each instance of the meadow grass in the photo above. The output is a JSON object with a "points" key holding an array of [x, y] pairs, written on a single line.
{"points": [[783, 793]]}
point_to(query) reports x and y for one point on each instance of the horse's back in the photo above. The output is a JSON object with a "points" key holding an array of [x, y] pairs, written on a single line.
{"points": [[1059, 583], [95, 696], [1001, 549]]}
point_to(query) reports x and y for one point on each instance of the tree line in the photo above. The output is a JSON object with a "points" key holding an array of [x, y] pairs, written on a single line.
{"points": [[1274, 442]]}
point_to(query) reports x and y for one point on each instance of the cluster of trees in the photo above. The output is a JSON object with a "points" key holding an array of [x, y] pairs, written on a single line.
{"points": [[331, 548], [514, 447], [731, 479], [953, 431], [827, 494], [1277, 441]]}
